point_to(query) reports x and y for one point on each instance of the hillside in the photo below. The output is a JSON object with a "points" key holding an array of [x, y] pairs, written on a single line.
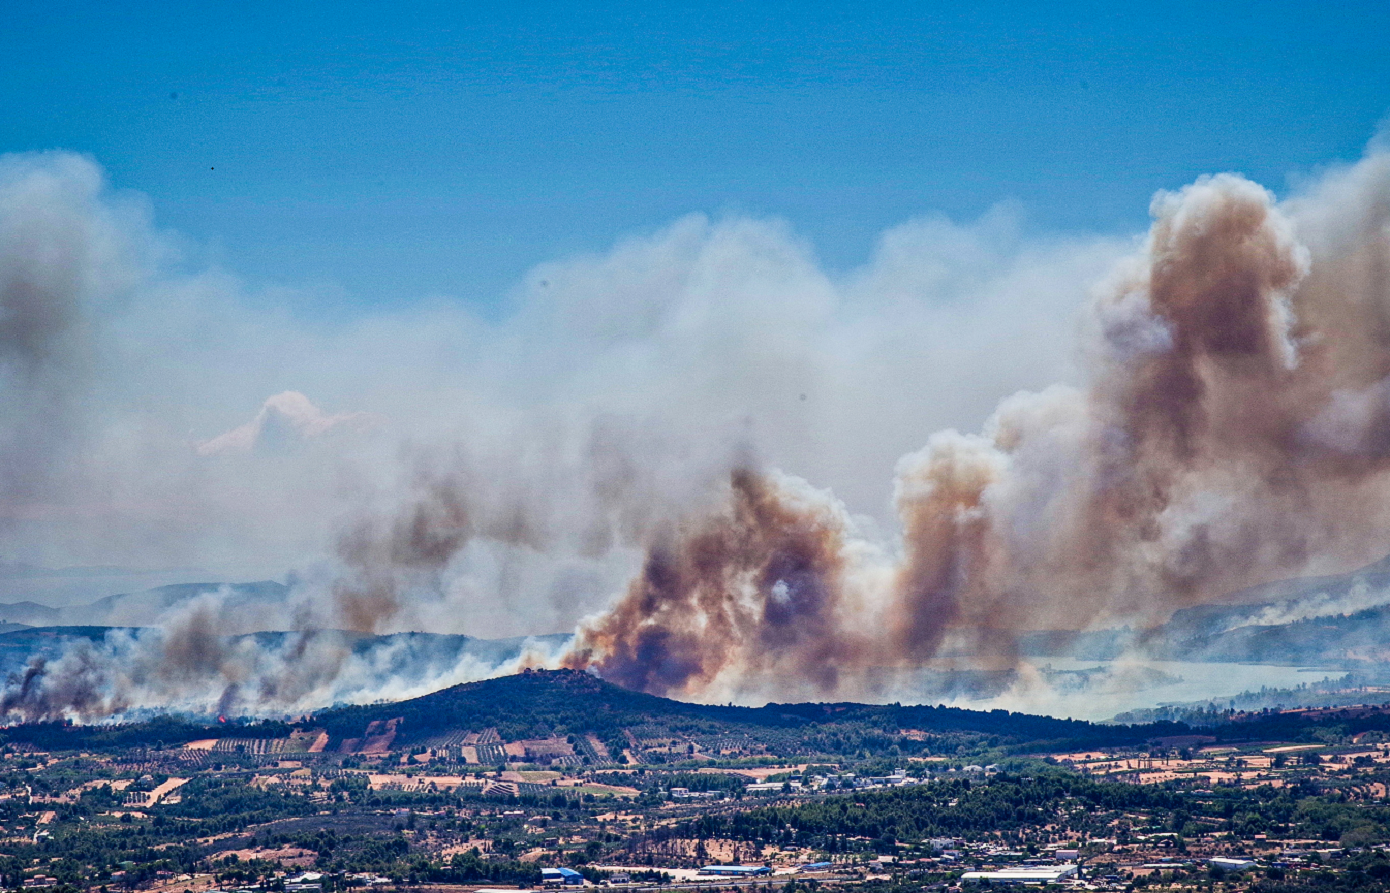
{"points": [[577, 716], [562, 704], [28, 613], [544, 704], [549, 703]]}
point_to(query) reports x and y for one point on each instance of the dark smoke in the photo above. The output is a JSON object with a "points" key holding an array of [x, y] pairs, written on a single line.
{"points": [[765, 574], [1235, 431], [405, 555], [412, 548], [36, 695], [55, 247]]}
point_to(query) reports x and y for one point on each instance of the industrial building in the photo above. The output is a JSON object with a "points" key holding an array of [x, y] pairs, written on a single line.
{"points": [[561, 877], [735, 870], [1030, 874]]}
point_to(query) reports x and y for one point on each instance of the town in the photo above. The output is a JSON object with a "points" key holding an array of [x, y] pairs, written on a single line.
{"points": [[681, 800]]}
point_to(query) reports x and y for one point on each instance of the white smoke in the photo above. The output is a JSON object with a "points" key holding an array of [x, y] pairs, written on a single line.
{"points": [[618, 389], [1360, 597], [192, 660]]}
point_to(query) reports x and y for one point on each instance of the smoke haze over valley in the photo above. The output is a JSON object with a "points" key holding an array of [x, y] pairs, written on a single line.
{"points": [[720, 468]]}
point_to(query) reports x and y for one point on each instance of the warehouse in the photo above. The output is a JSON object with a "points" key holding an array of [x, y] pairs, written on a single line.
{"points": [[736, 870], [1041, 874]]}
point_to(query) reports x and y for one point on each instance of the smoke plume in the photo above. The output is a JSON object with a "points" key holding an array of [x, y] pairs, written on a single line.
{"points": [[630, 451], [189, 663], [1232, 433], [764, 578], [62, 252]]}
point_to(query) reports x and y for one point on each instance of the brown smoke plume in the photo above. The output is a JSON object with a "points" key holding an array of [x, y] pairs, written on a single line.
{"points": [[415, 546], [762, 578], [1235, 430], [387, 559]]}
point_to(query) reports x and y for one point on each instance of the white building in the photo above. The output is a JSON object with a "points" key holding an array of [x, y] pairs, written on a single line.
{"points": [[1046, 874], [1222, 863]]}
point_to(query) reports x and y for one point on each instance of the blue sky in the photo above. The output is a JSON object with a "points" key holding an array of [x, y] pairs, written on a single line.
{"points": [[384, 153]]}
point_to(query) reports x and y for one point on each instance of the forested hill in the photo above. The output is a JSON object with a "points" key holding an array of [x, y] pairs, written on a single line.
{"points": [[543, 703]]}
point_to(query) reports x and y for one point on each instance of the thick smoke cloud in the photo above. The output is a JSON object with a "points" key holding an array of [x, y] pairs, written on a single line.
{"points": [[63, 252], [764, 577], [1230, 434], [1221, 422], [615, 391]]}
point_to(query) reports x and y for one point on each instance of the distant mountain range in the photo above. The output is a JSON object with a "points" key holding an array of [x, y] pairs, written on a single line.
{"points": [[26, 614], [142, 608], [1336, 621], [407, 658], [1332, 619]]}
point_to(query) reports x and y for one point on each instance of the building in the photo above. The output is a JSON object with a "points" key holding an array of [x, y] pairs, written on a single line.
{"points": [[561, 877], [735, 870], [1044, 874], [1222, 863], [687, 794], [306, 882]]}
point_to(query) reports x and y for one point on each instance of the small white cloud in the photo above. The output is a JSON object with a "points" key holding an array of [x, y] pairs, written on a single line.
{"points": [[284, 418]]}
